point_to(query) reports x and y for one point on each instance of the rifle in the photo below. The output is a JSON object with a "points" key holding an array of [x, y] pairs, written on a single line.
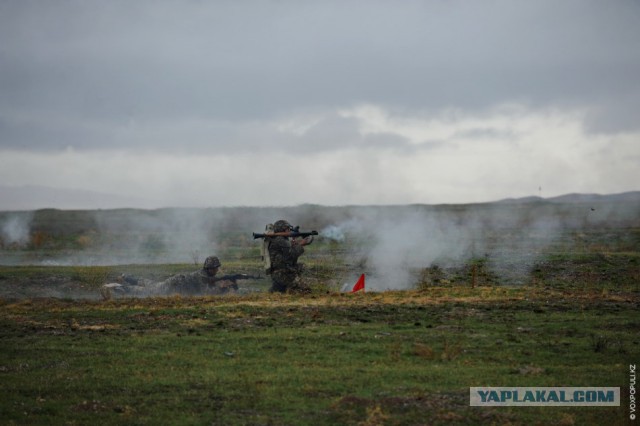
{"points": [[235, 277], [295, 232]]}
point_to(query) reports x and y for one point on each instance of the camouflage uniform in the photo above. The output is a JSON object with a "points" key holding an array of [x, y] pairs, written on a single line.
{"points": [[285, 269], [192, 284]]}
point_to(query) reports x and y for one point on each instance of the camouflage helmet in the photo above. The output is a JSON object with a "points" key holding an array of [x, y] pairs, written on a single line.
{"points": [[282, 226], [211, 262]]}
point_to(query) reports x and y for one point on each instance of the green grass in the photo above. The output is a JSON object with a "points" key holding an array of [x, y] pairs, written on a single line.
{"points": [[386, 358]]}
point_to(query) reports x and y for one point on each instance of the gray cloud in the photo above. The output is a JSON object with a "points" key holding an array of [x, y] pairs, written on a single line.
{"points": [[113, 63], [444, 99]]}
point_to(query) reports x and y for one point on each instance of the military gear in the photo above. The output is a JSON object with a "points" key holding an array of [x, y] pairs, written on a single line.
{"points": [[211, 262], [282, 226], [231, 280], [264, 250], [190, 284]]}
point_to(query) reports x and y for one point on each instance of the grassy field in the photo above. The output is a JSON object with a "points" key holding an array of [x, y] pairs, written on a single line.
{"points": [[400, 358], [568, 317]]}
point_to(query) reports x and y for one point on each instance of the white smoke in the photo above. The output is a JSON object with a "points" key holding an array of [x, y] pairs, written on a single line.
{"points": [[338, 233], [392, 246], [334, 233], [158, 236], [15, 229]]}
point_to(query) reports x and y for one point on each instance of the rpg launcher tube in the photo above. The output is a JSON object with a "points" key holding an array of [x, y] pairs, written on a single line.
{"points": [[291, 234]]}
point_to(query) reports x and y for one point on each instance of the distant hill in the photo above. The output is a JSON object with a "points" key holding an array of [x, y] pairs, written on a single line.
{"points": [[588, 198], [33, 197], [631, 196]]}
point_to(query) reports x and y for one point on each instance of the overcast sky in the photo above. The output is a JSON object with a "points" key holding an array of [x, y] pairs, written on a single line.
{"points": [[226, 103]]}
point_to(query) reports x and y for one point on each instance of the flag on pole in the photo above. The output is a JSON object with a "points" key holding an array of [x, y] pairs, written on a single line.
{"points": [[359, 285]]}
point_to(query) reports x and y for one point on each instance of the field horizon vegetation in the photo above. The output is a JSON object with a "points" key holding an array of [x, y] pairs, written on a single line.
{"points": [[502, 294]]}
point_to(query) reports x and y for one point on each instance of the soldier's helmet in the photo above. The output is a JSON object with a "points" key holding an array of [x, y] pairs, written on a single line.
{"points": [[282, 226], [211, 262]]}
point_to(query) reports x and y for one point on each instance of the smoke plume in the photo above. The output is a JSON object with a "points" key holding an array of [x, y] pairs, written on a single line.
{"points": [[393, 245], [15, 229]]}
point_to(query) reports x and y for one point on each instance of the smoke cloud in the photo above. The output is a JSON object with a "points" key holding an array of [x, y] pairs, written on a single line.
{"points": [[165, 236], [392, 246], [15, 230]]}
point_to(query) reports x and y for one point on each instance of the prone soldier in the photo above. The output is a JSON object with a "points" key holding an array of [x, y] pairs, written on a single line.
{"points": [[201, 282]]}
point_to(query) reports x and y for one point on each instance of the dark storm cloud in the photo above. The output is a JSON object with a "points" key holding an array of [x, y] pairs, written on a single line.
{"points": [[93, 74]]}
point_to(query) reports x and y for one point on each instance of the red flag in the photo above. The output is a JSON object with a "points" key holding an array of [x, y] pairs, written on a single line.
{"points": [[359, 285]]}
